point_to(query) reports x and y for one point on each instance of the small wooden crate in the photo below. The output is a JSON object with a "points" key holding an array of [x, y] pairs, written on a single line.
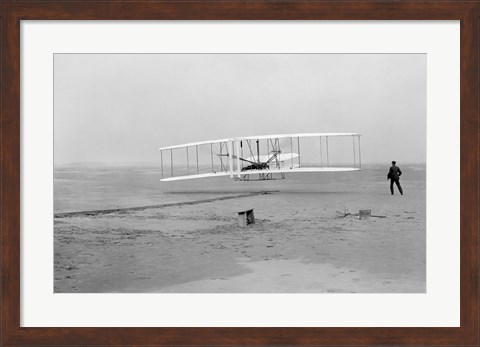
{"points": [[246, 218]]}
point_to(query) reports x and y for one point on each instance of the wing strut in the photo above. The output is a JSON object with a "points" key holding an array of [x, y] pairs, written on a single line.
{"points": [[250, 149], [258, 151], [222, 166], [211, 153], [326, 140], [354, 155], [359, 152], [237, 152], [298, 140], [321, 154], [291, 150], [196, 150], [161, 159], [241, 149], [230, 158]]}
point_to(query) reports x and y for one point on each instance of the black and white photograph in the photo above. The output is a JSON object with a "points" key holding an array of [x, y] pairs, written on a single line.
{"points": [[240, 173]]}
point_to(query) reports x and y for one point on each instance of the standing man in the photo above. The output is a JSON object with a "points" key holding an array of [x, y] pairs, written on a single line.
{"points": [[394, 176]]}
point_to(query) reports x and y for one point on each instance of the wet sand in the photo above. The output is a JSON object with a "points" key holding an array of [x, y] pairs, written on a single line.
{"points": [[298, 244]]}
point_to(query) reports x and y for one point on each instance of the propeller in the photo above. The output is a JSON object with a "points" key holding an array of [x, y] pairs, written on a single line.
{"points": [[274, 156]]}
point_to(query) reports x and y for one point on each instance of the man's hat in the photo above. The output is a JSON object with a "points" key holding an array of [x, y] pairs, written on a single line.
{"points": [[394, 162]]}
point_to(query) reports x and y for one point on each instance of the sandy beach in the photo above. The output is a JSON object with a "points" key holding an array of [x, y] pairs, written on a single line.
{"points": [[190, 242]]}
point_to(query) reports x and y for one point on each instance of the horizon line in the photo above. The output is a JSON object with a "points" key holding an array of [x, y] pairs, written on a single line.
{"points": [[98, 163]]}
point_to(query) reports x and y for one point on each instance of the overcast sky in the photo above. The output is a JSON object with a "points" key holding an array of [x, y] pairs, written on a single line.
{"points": [[119, 108]]}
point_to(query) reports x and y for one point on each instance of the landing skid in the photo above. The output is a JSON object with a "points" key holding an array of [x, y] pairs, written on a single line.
{"points": [[261, 177]]}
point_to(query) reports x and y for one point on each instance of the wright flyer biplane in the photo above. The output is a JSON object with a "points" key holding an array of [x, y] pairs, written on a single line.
{"points": [[263, 157]]}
